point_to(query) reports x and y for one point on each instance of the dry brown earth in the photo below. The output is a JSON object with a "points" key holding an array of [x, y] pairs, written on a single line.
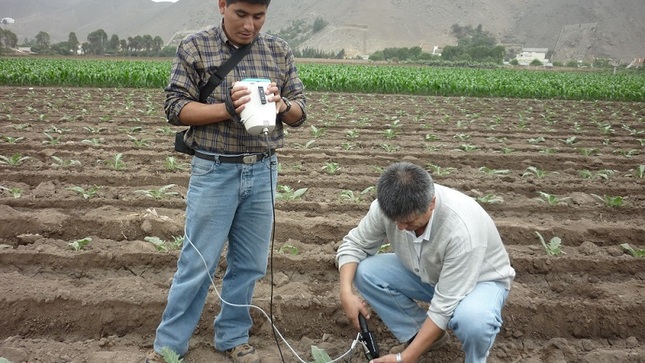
{"points": [[102, 304]]}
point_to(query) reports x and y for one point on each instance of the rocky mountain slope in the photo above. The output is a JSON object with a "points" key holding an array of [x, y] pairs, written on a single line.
{"points": [[572, 29]]}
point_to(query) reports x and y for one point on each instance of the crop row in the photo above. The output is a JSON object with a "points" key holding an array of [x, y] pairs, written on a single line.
{"points": [[359, 78]]}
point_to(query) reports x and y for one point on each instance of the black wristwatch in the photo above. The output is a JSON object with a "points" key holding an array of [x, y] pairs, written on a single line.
{"points": [[286, 102]]}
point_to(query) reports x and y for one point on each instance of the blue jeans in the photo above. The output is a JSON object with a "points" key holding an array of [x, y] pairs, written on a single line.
{"points": [[225, 202], [393, 291]]}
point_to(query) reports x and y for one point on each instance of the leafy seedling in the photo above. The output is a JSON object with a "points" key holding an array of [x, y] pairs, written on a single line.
{"points": [[173, 164], [15, 192], [160, 193], [331, 168], [62, 163], [169, 356], [158, 242], [533, 171], [551, 199], [636, 252], [440, 171], [288, 249], [610, 200], [79, 244], [285, 192], [117, 162], [319, 355], [554, 248], [13, 160], [490, 199], [87, 194]]}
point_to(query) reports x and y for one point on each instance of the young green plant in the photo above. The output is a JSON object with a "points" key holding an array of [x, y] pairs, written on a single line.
{"points": [[554, 247]]}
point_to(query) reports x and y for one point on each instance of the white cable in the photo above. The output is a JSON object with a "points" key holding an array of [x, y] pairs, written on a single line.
{"points": [[262, 311]]}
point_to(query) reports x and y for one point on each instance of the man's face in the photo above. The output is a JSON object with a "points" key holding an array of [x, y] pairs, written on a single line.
{"points": [[242, 21], [416, 221]]}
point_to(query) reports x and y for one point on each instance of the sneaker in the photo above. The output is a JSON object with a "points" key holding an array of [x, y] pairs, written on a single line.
{"points": [[243, 353], [154, 357], [443, 339]]}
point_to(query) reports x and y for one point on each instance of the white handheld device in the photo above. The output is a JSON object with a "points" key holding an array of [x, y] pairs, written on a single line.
{"points": [[259, 114]]}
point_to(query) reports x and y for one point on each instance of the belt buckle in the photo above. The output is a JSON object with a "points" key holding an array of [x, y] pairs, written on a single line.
{"points": [[249, 159]]}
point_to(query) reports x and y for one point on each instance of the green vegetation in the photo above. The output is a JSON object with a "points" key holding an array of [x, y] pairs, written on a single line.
{"points": [[169, 356], [15, 192], [633, 251], [79, 244], [86, 193], [554, 247], [319, 355], [13, 160], [490, 199], [610, 200], [417, 80], [160, 193], [353, 197], [285, 192], [288, 249], [163, 245]]}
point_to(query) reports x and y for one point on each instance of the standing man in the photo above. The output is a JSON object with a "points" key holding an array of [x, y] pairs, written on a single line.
{"points": [[447, 252], [233, 175]]}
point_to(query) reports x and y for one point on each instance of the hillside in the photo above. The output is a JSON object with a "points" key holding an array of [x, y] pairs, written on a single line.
{"points": [[573, 29]]}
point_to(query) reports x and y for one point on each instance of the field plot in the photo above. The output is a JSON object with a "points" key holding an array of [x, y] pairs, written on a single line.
{"points": [[91, 209]]}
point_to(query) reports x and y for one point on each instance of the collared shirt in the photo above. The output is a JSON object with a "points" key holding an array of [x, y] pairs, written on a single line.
{"points": [[198, 57], [424, 237], [464, 248]]}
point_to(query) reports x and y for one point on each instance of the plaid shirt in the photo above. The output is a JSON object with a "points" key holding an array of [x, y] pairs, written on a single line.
{"points": [[198, 57]]}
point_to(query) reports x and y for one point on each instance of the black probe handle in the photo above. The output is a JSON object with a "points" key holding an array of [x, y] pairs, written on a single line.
{"points": [[368, 337]]}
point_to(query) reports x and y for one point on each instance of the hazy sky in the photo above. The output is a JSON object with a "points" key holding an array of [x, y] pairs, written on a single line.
{"points": [[165, 1]]}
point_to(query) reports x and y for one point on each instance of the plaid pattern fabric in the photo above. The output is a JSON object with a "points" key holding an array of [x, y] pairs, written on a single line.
{"points": [[198, 57]]}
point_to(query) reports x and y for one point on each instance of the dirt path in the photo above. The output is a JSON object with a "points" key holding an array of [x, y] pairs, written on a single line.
{"points": [[545, 166]]}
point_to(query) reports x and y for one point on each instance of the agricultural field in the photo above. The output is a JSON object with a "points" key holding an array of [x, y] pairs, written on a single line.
{"points": [[92, 208]]}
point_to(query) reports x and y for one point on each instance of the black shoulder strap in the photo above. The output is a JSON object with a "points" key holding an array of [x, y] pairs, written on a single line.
{"points": [[223, 70]]}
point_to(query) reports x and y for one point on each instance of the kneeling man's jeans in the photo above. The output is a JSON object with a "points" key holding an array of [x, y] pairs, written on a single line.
{"points": [[393, 292]]}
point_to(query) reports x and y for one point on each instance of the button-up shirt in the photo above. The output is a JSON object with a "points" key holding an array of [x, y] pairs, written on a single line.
{"points": [[198, 57]]}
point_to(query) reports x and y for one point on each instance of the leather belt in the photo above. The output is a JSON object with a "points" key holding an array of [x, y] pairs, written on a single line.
{"points": [[238, 159]]}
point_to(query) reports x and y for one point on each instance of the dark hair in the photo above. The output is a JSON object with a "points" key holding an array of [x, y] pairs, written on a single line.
{"points": [[261, 2], [404, 189]]}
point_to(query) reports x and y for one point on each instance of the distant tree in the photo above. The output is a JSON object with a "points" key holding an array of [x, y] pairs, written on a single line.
{"points": [[61, 48], [138, 40], [319, 24], [98, 41], [124, 45], [535, 62], [147, 42], [42, 40], [377, 56], [157, 44], [8, 39], [72, 43], [572, 63], [168, 51], [341, 54], [473, 44], [113, 44]]}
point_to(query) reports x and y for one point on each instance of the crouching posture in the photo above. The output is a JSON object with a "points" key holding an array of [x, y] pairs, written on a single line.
{"points": [[447, 252]]}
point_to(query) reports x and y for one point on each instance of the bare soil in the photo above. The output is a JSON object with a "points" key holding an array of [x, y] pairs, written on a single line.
{"points": [[103, 303]]}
